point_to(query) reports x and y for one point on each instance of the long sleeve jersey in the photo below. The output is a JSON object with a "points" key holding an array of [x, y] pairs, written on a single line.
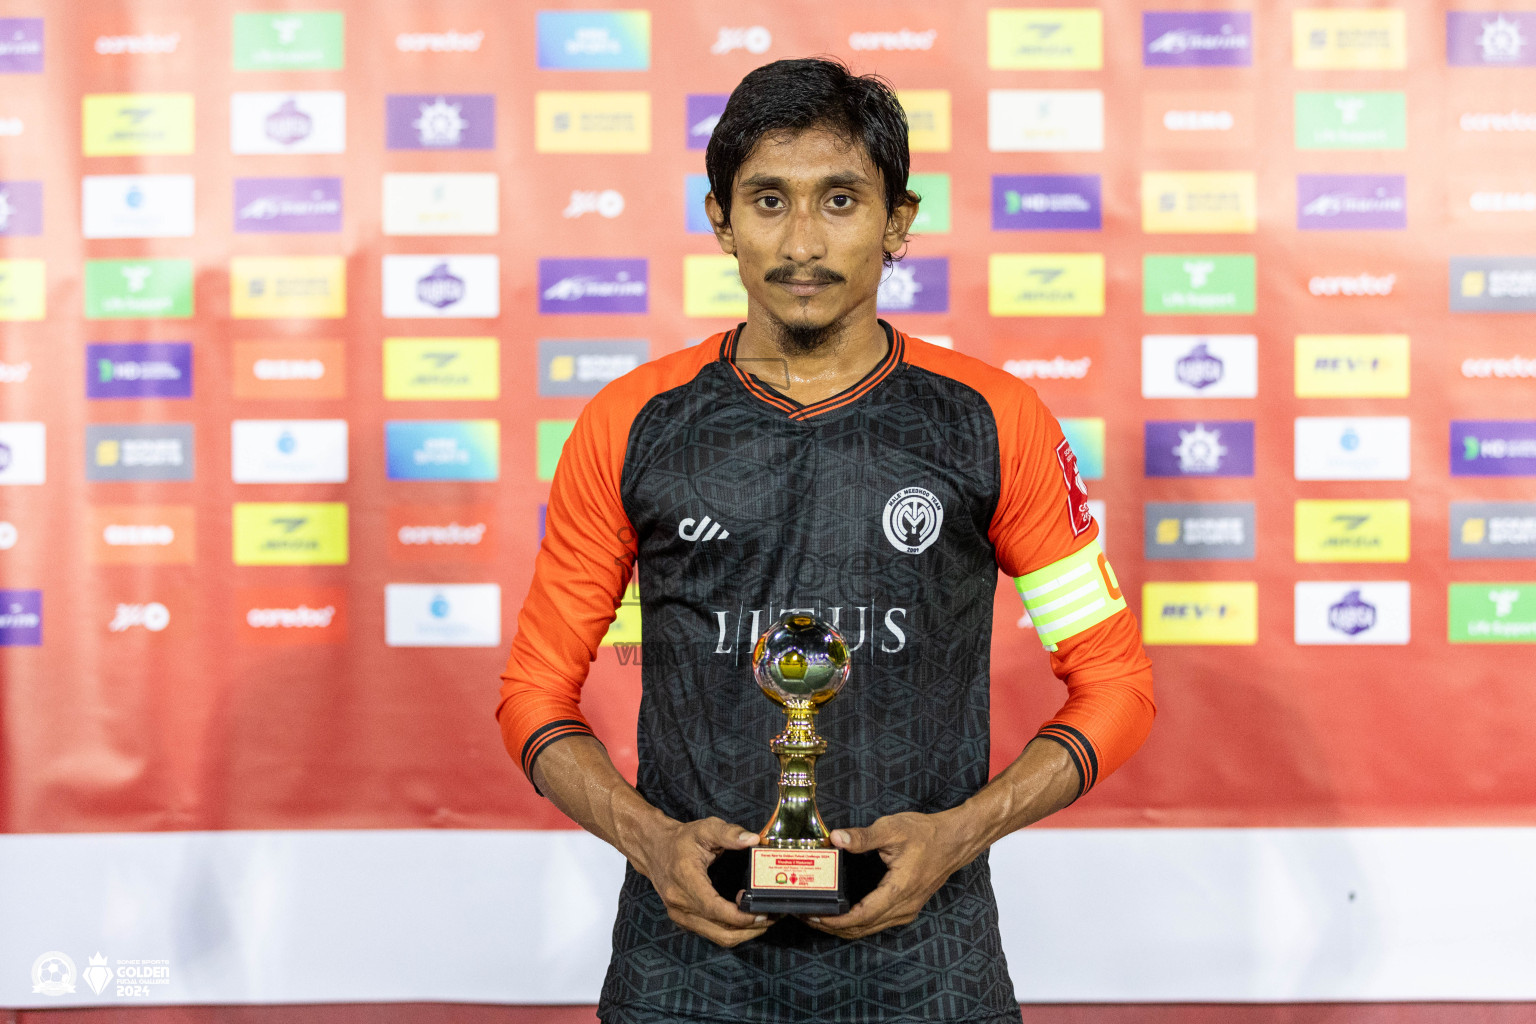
{"points": [[886, 509]]}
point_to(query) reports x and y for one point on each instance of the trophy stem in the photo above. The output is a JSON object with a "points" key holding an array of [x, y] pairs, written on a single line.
{"points": [[796, 823]]}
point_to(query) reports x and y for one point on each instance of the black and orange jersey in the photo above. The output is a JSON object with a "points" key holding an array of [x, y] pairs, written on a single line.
{"points": [[887, 510]]}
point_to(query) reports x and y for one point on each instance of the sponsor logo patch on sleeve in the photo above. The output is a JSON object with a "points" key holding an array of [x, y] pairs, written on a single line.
{"points": [[1078, 513]]}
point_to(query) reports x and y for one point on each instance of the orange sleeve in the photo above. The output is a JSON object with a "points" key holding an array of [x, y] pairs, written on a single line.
{"points": [[582, 568], [1042, 518]]}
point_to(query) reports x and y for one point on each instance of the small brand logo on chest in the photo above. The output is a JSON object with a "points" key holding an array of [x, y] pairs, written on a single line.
{"points": [[701, 531]]}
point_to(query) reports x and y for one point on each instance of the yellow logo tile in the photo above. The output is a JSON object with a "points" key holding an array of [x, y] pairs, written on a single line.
{"points": [[1200, 613], [928, 123], [23, 290], [129, 123], [1045, 38], [1045, 284], [1351, 531], [290, 533], [301, 287], [712, 287], [592, 122], [442, 369], [1349, 39], [1199, 202], [1352, 366]]}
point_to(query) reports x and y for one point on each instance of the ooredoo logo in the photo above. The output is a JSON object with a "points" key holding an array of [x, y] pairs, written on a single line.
{"points": [[291, 615], [442, 533]]}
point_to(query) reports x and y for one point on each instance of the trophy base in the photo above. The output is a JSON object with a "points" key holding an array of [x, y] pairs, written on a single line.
{"points": [[794, 882]]}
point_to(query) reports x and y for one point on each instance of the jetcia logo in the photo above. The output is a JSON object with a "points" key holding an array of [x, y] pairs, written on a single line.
{"points": [[702, 531], [913, 517]]}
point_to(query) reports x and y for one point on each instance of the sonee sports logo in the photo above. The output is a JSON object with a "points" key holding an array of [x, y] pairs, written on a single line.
{"points": [[913, 517]]}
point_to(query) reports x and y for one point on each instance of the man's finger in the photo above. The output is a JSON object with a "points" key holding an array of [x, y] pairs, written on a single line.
{"points": [[723, 835], [705, 902], [716, 933], [867, 911], [855, 840]]}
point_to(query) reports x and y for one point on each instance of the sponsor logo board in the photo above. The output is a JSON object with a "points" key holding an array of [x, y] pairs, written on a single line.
{"points": [[1198, 448], [443, 449], [287, 122], [580, 367], [1196, 39], [1490, 39], [1352, 448], [1199, 366], [1371, 612], [1352, 365], [442, 287], [1493, 284], [929, 122], [137, 205], [289, 41], [137, 124], [442, 615], [1192, 284], [23, 289], [1492, 613], [1351, 202], [1199, 202], [712, 287], [594, 40], [441, 204], [442, 533], [139, 451], [290, 533], [21, 208], [933, 212], [1200, 613], [21, 618], [594, 286], [1045, 39], [1200, 530], [21, 45], [283, 616], [282, 205], [141, 534], [1351, 531], [1047, 202], [702, 112], [1351, 120], [442, 369], [288, 451], [1493, 529], [138, 289], [439, 121], [550, 436], [290, 369], [1045, 284], [592, 122], [917, 284], [1354, 39], [282, 287], [1085, 436], [23, 453], [1493, 447], [154, 369], [1045, 120], [1197, 120]]}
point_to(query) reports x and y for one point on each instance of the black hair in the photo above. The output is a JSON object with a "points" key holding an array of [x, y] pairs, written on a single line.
{"points": [[792, 96]]}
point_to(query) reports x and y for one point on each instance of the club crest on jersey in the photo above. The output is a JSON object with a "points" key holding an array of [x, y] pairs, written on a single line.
{"points": [[912, 519], [1077, 491]]}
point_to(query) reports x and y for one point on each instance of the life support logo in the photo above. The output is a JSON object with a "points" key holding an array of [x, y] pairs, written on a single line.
{"points": [[913, 517]]}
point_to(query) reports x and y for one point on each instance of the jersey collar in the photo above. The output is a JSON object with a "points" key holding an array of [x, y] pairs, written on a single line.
{"points": [[894, 352]]}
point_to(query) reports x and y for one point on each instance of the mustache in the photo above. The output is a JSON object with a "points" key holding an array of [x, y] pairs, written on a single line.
{"points": [[814, 274]]}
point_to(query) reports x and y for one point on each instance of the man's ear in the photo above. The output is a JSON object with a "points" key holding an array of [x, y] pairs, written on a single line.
{"points": [[717, 220], [900, 222]]}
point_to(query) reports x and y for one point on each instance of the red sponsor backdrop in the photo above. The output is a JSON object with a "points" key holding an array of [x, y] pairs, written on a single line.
{"points": [[208, 724]]}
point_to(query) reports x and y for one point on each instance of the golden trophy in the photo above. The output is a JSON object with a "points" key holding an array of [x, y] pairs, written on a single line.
{"points": [[801, 663]]}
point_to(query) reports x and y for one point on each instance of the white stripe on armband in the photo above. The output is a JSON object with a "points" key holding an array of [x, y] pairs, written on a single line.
{"points": [[1069, 596]]}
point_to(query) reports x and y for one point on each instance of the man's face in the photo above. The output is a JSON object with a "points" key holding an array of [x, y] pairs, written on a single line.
{"points": [[809, 229]]}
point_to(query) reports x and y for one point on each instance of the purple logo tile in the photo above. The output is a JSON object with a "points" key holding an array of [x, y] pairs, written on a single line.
{"points": [[1195, 448], [1046, 202], [593, 286], [149, 369], [915, 285], [1351, 202], [21, 208], [21, 45], [704, 112], [21, 618], [440, 121], [1493, 447], [287, 204], [1172, 39], [1491, 39]]}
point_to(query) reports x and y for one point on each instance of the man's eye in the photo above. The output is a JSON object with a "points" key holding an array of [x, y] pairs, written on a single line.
{"points": [[771, 202], [842, 202]]}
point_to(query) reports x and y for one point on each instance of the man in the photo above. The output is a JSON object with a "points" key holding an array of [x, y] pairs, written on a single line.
{"points": [[815, 457]]}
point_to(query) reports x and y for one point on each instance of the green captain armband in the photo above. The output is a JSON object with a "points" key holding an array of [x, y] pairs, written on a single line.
{"points": [[1068, 596]]}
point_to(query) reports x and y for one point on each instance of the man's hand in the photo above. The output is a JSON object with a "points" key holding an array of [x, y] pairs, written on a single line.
{"points": [[920, 852], [676, 858]]}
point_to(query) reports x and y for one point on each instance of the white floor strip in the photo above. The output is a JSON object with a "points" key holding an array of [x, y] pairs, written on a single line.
{"points": [[524, 917]]}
